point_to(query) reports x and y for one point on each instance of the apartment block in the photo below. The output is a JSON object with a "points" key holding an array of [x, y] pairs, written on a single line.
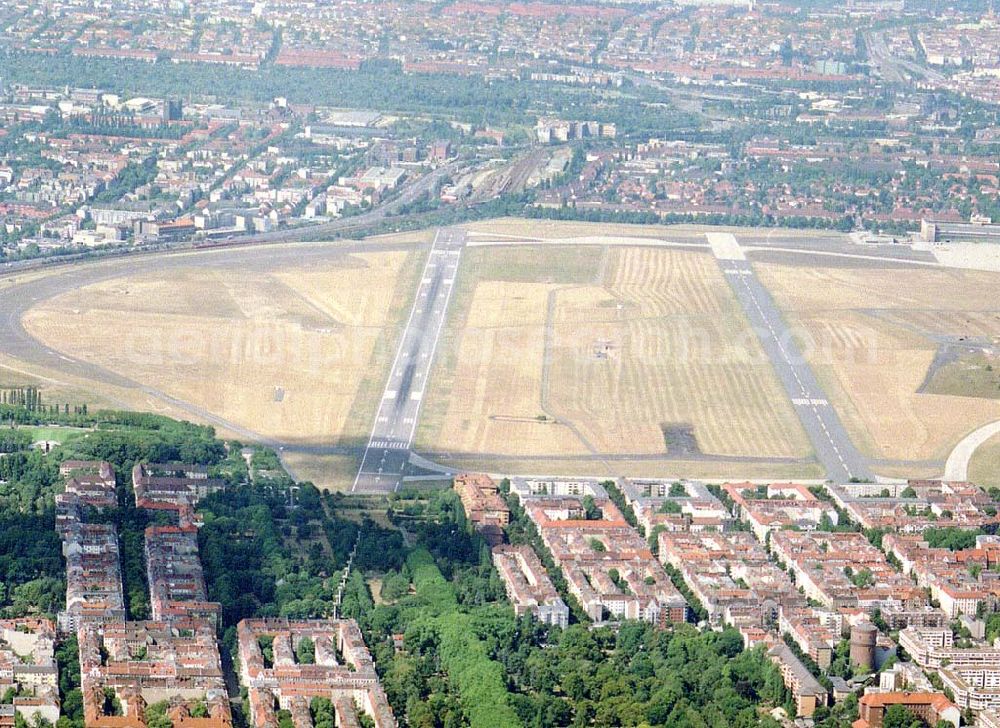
{"points": [[28, 666], [341, 670], [730, 574], [914, 506], [93, 576], [778, 505], [813, 637], [843, 570], [483, 505], [608, 567], [806, 690], [951, 576], [528, 586], [128, 666], [89, 484], [975, 688], [171, 485], [559, 487], [176, 581], [934, 648], [143, 663], [675, 505]]}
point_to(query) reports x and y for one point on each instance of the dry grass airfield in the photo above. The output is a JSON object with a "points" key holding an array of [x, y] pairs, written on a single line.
{"points": [[984, 468], [620, 358], [296, 354], [583, 352], [874, 332], [530, 229]]}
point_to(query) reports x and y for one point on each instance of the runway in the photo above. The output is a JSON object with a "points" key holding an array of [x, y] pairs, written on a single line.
{"points": [[387, 455], [386, 459], [833, 446]]}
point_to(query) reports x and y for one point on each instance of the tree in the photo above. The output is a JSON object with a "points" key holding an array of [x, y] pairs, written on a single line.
{"points": [[897, 716], [786, 52], [590, 510], [305, 651], [670, 506]]}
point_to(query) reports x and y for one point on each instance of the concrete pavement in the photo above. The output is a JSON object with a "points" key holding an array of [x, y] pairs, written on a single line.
{"points": [[833, 446], [957, 466], [386, 458]]}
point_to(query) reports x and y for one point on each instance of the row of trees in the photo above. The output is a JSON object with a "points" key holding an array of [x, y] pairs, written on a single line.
{"points": [[440, 627], [28, 397]]}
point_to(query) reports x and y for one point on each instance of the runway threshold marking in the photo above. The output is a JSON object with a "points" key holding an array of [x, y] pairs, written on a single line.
{"points": [[727, 250], [376, 440]]}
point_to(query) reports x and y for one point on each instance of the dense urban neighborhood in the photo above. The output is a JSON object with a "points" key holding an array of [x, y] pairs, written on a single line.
{"points": [[485, 364], [242, 118], [838, 602]]}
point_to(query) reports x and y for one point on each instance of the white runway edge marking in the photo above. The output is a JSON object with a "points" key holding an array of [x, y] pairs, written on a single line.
{"points": [[798, 381], [390, 394]]}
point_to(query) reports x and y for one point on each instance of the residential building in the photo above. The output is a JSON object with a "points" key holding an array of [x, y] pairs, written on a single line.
{"points": [[142, 663], [171, 486], [483, 505], [608, 567], [528, 586], [931, 708], [93, 576], [806, 690], [779, 505], [176, 581], [341, 670], [934, 648], [28, 667], [674, 505]]}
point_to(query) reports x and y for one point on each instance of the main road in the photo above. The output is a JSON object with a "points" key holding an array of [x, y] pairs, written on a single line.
{"points": [[387, 456], [833, 446]]}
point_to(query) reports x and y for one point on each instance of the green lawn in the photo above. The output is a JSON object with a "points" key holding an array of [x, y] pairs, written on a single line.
{"points": [[62, 435], [972, 375]]}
